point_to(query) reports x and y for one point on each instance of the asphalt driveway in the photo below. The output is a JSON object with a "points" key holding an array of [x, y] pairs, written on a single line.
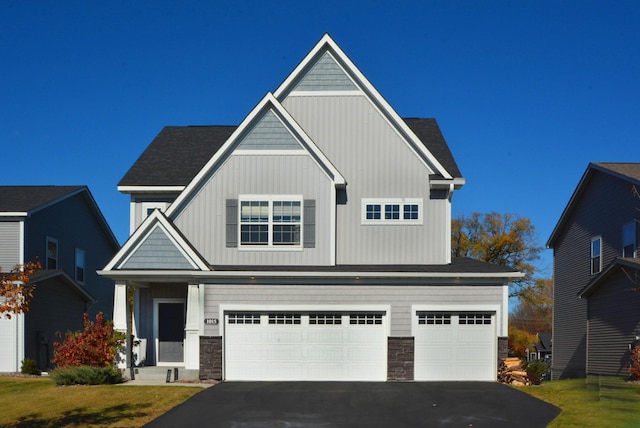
{"points": [[349, 404]]}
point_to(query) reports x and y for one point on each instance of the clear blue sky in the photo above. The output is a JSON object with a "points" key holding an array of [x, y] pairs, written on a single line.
{"points": [[526, 92]]}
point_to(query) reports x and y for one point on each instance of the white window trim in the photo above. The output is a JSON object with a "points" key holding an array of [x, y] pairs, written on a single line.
{"points": [[84, 265], [270, 246], [633, 226], [151, 206], [50, 239], [595, 238], [388, 201]]}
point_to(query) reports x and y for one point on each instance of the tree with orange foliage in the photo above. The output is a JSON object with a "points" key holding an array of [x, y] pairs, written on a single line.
{"points": [[16, 290]]}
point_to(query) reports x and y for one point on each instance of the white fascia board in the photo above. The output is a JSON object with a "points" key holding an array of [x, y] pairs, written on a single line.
{"points": [[268, 99], [369, 89], [156, 218], [14, 214], [168, 274], [456, 183], [150, 189]]}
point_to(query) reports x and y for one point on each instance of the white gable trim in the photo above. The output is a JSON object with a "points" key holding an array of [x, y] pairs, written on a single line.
{"points": [[155, 220], [327, 43], [269, 101]]}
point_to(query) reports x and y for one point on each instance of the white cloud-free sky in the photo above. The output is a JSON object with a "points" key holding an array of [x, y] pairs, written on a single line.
{"points": [[527, 93]]}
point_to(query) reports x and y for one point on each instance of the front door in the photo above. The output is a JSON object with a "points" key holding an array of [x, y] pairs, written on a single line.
{"points": [[170, 338]]}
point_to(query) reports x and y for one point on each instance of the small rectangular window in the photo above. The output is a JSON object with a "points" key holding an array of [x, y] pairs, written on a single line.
{"points": [[243, 318], [325, 319], [474, 319], [285, 319], [434, 319], [373, 211], [596, 255], [367, 319], [393, 211], [629, 240], [80, 265], [52, 253]]}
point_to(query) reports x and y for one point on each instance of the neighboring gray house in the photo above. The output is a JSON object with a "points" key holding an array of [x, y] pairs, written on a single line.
{"points": [[595, 248], [542, 349], [311, 242], [63, 229]]}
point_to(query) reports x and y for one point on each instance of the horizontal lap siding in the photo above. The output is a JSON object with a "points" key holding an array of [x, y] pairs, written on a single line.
{"points": [[614, 322], [400, 298], [593, 215], [9, 244]]}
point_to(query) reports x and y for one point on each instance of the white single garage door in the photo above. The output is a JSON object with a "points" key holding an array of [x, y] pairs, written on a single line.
{"points": [[8, 344], [337, 346], [453, 346]]}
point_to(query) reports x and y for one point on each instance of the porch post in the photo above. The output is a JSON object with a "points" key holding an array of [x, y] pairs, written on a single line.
{"points": [[120, 318], [192, 328]]}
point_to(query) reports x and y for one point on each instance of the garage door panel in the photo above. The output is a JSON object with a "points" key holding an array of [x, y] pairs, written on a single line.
{"points": [[455, 346], [305, 346]]}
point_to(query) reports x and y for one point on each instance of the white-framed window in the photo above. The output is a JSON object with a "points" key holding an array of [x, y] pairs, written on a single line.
{"points": [[52, 253], [365, 318], [285, 319], [474, 319], [325, 319], [433, 318], [80, 265], [244, 318], [392, 211], [271, 221], [596, 254], [149, 207], [629, 240]]}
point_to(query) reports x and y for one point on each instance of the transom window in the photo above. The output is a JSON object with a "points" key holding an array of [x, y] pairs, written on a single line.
{"points": [[391, 211], [434, 318], [274, 221], [365, 319], [596, 254], [477, 319], [244, 318]]}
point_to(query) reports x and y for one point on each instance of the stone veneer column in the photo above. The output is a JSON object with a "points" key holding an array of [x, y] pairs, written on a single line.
{"points": [[400, 358], [210, 358]]}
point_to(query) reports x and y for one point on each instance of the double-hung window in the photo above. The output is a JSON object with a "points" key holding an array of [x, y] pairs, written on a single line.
{"points": [[596, 254], [80, 265], [629, 240], [52, 253], [271, 221], [391, 211]]}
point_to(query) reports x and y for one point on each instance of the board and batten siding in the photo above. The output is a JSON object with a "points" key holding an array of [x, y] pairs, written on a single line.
{"points": [[602, 210], [400, 298], [10, 244], [614, 323], [377, 163], [203, 220]]}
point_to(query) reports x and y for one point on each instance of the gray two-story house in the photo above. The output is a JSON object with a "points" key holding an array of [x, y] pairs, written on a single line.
{"points": [[597, 273], [63, 229], [310, 242]]}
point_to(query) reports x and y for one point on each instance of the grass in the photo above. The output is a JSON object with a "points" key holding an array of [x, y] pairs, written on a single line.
{"points": [[38, 402], [596, 402]]}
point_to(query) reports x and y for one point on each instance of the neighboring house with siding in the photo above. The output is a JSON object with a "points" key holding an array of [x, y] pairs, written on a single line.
{"points": [[596, 269], [62, 228], [311, 242]]}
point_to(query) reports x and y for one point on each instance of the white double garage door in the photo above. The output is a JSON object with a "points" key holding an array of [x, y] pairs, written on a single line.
{"points": [[352, 345]]}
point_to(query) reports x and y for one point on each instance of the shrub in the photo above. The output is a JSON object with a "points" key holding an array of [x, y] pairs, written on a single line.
{"points": [[96, 345], [29, 366], [86, 375], [536, 371], [634, 363]]}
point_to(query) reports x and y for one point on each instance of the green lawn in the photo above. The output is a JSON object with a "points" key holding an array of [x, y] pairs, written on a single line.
{"points": [[38, 402], [593, 402]]}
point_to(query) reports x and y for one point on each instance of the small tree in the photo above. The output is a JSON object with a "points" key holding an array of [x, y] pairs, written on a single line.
{"points": [[634, 363], [96, 345], [16, 291]]}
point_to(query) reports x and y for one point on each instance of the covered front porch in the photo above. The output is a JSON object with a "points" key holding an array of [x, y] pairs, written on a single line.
{"points": [[164, 320]]}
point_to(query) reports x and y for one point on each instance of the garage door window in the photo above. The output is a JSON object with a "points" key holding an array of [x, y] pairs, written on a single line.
{"points": [[325, 319], [477, 319], [370, 319], [244, 318], [434, 319], [285, 319]]}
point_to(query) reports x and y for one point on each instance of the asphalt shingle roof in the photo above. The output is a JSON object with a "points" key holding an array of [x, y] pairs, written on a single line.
{"points": [[28, 198], [178, 153], [630, 170]]}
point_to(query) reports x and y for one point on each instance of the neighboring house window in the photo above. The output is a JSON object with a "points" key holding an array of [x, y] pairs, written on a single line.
{"points": [[596, 254], [629, 240], [391, 211], [52, 253], [79, 265], [275, 221]]}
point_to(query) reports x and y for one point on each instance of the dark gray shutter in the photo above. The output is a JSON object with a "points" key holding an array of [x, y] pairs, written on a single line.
{"points": [[309, 230], [232, 222]]}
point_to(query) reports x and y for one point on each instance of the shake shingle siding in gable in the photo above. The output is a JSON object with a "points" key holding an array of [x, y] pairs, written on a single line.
{"points": [[158, 252], [325, 75], [603, 206], [269, 134]]}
